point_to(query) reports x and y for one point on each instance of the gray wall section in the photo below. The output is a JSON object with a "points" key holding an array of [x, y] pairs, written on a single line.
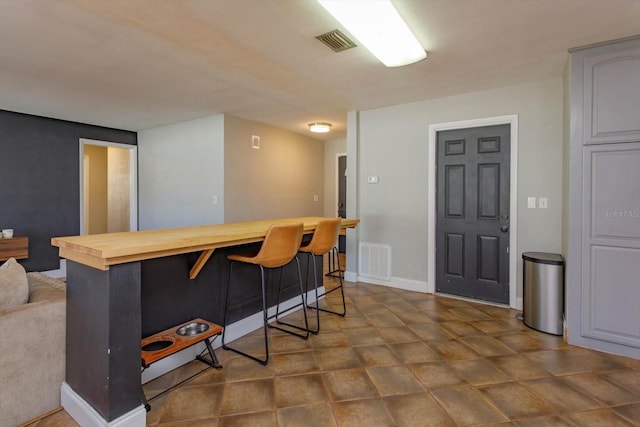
{"points": [[40, 179], [180, 170], [393, 145]]}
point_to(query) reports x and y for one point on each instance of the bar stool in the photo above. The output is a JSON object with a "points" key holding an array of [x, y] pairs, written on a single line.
{"points": [[322, 242], [280, 247]]}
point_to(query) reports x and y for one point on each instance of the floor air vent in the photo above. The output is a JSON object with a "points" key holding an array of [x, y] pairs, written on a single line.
{"points": [[375, 261], [336, 40]]}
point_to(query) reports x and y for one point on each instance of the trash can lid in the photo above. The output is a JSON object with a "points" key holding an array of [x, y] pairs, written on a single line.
{"points": [[543, 257]]}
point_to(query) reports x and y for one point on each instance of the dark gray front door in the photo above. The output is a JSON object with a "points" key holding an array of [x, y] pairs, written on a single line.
{"points": [[472, 223]]}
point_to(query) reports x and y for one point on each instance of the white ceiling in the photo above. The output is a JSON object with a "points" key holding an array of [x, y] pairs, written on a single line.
{"points": [[139, 64]]}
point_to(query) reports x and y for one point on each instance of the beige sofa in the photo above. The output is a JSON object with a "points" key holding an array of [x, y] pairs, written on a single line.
{"points": [[32, 351]]}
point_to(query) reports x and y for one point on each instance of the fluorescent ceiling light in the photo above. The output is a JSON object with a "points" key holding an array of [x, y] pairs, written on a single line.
{"points": [[319, 127], [378, 26]]}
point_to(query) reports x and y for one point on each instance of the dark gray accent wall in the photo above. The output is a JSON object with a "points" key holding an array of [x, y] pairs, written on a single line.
{"points": [[40, 182]]}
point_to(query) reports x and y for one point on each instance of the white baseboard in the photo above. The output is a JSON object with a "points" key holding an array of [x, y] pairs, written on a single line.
{"points": [[350, 276], [86, 416], [233, 332], [518, 303], [396, 282]]}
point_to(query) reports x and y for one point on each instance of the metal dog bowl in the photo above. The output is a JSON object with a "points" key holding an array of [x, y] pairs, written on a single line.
{"points": [[160, 344], [194, 328]]}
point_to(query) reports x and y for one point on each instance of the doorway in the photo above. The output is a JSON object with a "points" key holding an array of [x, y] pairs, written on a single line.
{"points": [[341, 185], [108, 187], [433, 248], [472, 213]]}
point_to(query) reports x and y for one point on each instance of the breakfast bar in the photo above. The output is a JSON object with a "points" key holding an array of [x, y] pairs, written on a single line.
{"points": [[123, 287]]}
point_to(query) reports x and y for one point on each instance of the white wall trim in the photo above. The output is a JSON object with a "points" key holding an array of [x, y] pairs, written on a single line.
{"points": [[133, 182], [396, 282], [86, 416], [511, 120], [350, 276]]}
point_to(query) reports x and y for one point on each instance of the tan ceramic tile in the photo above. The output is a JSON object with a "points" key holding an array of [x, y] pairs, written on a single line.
{"points": [[409, 317], [478, 371], [493, 326], [57, 419], [519, 368], [561, 396], [207, 422], [262, 419], [248, 396], [398, 334], [453, 349], [516, 402], [598, 387], [431, 331], [384, 319], [358, 413], [520, 342], [549, 421], [377, 355], [497, 312], [415, 352], [598, 417], [391, 380], [467, 406], [418, 409], [188, 403], [453, 302], [364, 336], [461, 328], [348, 384], [629, 412], [388, 298], [157, 408], [299, 390], [556, 362], [443, 315], [328, 339], [470, 314], [594, 360], [627, 378], [436, 374], [486, 345], [428, 304], [351, 322], [294, 363], [331, 359], [243, 368], [288, 343], [319, 415]]}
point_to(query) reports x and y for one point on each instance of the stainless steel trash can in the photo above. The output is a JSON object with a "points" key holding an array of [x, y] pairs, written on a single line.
{"points": [[543, 291]]}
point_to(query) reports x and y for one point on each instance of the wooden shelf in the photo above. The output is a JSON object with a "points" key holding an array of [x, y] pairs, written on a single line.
{"points": [[16, 247]]}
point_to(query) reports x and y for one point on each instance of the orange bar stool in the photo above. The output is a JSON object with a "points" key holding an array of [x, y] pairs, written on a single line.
{"points": [[323, 241], [279, 248]]}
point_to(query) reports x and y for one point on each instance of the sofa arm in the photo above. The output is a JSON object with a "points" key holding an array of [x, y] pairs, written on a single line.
{"points": [[32, 366]]}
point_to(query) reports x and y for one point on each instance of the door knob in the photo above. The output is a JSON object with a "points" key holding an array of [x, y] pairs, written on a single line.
{"points": [[504, 228]]}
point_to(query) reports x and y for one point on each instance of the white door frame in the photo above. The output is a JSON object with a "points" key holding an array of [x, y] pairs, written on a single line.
{"points": [[337, 189], [133, 179], [511, 120]]}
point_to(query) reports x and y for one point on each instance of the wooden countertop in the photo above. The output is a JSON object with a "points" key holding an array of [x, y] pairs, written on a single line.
{"points": [[102, 250]]}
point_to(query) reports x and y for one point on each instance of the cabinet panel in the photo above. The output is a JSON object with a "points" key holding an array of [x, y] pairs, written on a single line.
{"points": [[612, 295], [612, 97]]}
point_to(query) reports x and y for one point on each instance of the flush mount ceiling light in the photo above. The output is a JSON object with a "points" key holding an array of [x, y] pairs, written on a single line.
{"points": [[319, 127], [378, 26]]}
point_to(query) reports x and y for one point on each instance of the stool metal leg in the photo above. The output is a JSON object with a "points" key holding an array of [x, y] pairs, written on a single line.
{"points": [[306, 330], [264, 316], [341, 287]]}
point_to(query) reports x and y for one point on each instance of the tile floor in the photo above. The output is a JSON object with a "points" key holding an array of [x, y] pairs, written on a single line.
{"points": [[402, 358]]}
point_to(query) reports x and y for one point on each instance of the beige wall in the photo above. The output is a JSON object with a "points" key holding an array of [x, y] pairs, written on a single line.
{"points": [[331, 149], [97, 219], [278, 180], [118, 194]]}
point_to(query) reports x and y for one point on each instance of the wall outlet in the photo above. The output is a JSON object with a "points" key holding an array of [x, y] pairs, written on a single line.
{"points": [[373, 179], [255, 141], [531, 202], [543, 203], [316, 198], [215, 200]]}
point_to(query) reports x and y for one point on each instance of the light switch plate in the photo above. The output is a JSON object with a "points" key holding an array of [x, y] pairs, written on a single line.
{"points": [[531, 202], [372, 179]]}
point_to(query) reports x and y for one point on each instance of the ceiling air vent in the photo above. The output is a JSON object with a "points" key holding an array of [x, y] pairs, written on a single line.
{"points": [[336, 40]]}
